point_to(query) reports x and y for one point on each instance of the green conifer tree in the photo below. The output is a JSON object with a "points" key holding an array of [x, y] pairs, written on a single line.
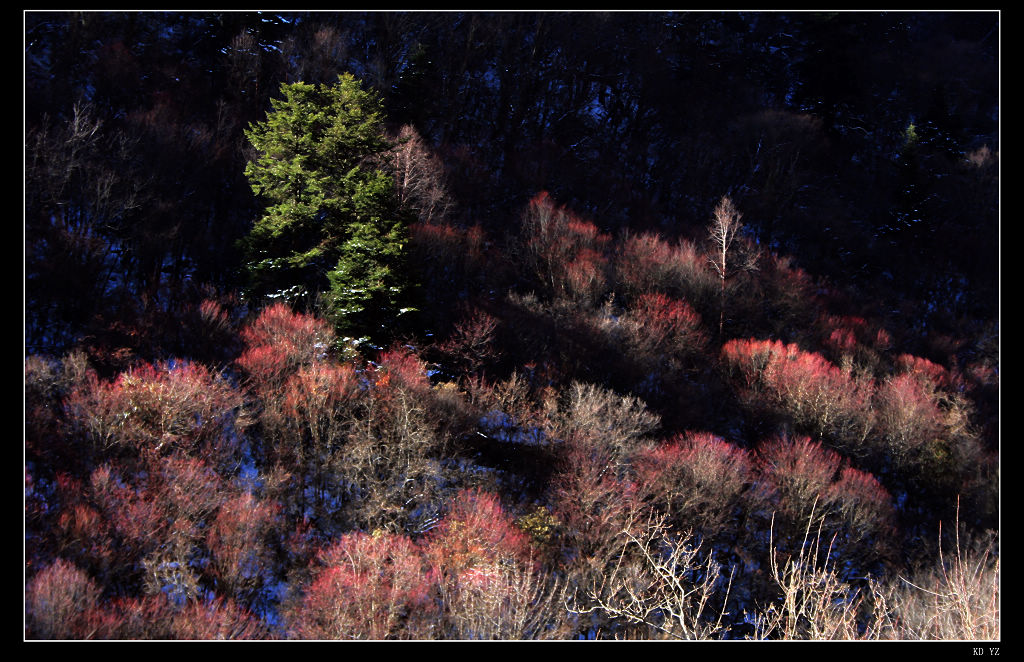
{"points": [[332, 224]]}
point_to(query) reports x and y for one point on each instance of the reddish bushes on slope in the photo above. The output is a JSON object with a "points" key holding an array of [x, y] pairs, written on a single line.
{"points": [[698, 480], [819, 397], [159, 408], [565, 253]]}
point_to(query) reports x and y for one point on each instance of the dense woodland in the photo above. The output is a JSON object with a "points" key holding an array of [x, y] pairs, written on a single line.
{"points": [[465, 325]]}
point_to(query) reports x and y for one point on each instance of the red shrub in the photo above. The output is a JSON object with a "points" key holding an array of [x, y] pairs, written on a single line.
{"points": [[644, 263], [84, 537], [400, 368], [214, 316], [863, 504], [817, 396], [187, 487], [908, 414], [592, 506], [843, 339], [922, 368], [856, 327], [436, 239], [750, 358], [661, 327], [366, 587], [278, 341], [806, 478], [584, 277], [470, 348], [801, 473], [782, 297], [316, 398], [476, 532], [218, 619], [567, 254], [206, 329], [57, 600], [699, 480], [159, 408], [447, 255], [982, 374], [96, 409], [131, 618], [852, 338], [277, 324], [266, 365], [237, 540], [137, 521]]}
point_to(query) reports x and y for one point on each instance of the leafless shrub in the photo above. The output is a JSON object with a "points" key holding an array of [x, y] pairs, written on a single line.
{"points": [[509, 601], [815, 602], [662, 583], [600, 418], [959, 599]]}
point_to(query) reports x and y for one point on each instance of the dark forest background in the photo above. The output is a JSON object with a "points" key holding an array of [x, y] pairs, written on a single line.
{"points": [[861, 150]]}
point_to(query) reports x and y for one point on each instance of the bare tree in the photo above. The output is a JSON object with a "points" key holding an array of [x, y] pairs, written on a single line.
{"points": [[419, 177], [723, 230]]}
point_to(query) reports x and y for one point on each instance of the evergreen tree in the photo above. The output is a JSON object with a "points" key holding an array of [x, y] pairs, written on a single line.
{"points": [[332, 223]]}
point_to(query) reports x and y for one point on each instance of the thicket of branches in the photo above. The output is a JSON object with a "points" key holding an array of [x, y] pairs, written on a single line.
{"points": [[719, 369]]}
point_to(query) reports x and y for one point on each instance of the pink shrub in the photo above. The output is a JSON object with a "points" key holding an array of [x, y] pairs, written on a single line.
{"points": [[816, 395], [476, 532], [566, 253], [883, 340], [366, 587], [57, 600], [698, 479], [278, 341], [158, 408], [447, 253]]}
